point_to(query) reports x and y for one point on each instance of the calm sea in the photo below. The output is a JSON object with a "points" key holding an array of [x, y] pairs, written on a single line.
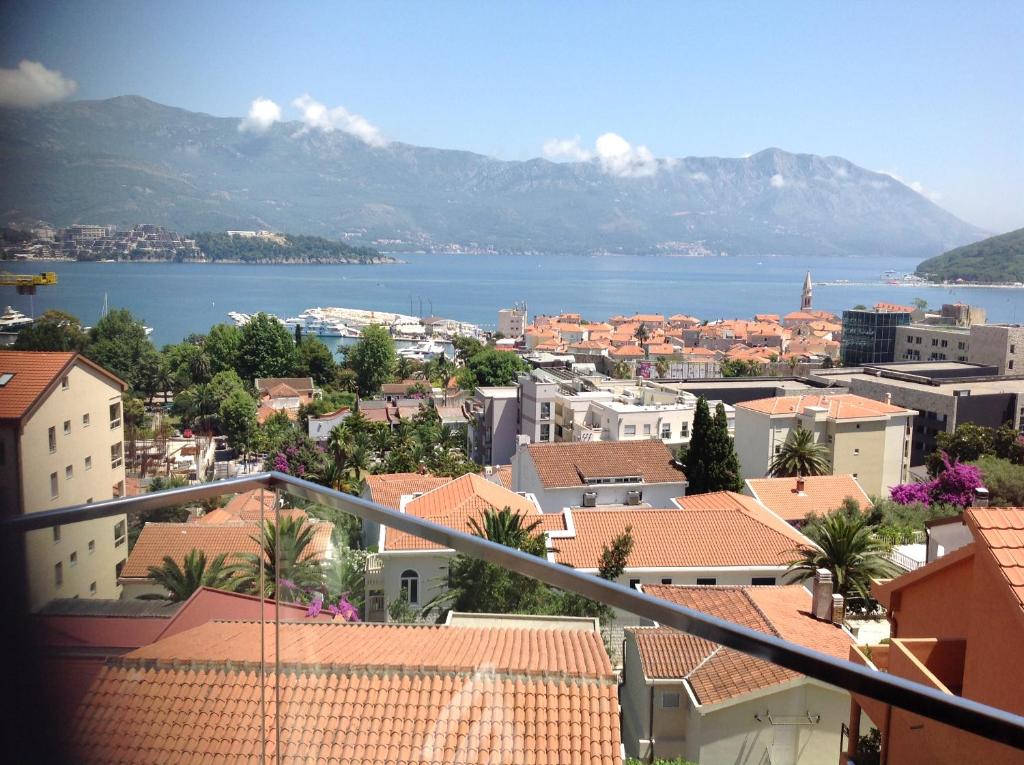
{"points": [[176, 299]]}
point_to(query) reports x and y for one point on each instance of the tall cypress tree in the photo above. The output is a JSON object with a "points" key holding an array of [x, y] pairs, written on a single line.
{"points": [[697, 457], [723, 464]]}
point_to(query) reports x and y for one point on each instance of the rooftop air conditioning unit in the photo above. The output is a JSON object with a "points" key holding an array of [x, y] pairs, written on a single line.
{"points": [[632, 498], [590, 499]]}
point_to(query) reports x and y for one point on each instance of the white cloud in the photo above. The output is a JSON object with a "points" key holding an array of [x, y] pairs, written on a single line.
{"points": [[262, 114], [917, 186], [32, 84], [317, 116], [747, 155], [566, 148], [620, 158], [777, 181], [700, 176]]}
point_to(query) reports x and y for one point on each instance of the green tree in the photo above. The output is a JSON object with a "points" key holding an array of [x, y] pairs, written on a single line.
{"points": [[661, 366], [622, 370], [315, 360], [222, 345], [725, 465], [180, 582], [491, 367], [286, 547], [741, 368], [373, 359], [642, 334], [847, 546], [237, 414], [697, 469], [119, 344], [345, 576], [967, 443], [800, 455], [400, 611], [1004, 481], [52, 331], [265, 349], [466, 347], [710, 460]]}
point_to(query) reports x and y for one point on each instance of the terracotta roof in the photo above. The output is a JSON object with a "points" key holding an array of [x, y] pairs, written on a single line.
{"points": [[894, 308], [303, 384], [388, 488], [661, 349], [725, 536], [458, 501], [844, 406], [1001, 530], [34, 373], [502, 474], [821, 494], [716, 673], [281, 390], [179, 539], [628, 351], [357, 693], [567, 463]]}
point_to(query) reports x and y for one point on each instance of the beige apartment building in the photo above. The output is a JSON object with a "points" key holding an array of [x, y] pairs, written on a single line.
{"points": [[867, 439], [61, 443]]}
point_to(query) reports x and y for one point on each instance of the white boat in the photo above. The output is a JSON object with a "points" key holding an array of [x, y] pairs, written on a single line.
{"points": [[314, 322], [12, 320], [427, 350]]}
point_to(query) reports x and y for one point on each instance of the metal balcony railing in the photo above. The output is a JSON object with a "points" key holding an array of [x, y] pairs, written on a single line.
{"points": [[964, 714]]}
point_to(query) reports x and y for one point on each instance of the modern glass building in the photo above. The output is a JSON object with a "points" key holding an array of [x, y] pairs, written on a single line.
{"points": [[869, 335]]}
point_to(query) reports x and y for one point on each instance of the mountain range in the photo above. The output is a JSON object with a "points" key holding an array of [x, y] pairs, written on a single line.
{"points": [[129, 160]]}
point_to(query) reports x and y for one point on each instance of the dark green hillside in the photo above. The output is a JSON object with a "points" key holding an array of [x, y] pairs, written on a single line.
{"points": [[990, 261], [308, 249]]}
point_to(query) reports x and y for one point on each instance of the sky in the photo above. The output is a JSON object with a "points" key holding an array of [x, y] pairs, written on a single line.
{"points": [[931, 92]]}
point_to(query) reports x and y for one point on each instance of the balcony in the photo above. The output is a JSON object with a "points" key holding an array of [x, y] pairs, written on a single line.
{"points": [[260, 659]]}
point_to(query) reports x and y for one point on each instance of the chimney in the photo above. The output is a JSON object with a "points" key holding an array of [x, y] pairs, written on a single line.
{"points": [[821, 595], [838, 609], [799, 484], [888, 398], [980, 497]]}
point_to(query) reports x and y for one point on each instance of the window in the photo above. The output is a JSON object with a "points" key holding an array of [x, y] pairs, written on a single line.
{"points": [[631, 430], [545, 411], [92, 546], [670, 701], [707, 580], [410, 586], [120, 532], [67, 427], [58, 574], [778, 448], [52, 435], [1009, 364], [69, 472], [666, 581], [74, 558], [54, 486], [763, 580], [634, 584], [64, 384], [92, 588], [56, 533], [1013, 348], [558, 431], [88, 463], [85, 420], [684, 430], [935, 341], [647, 429], [917, 341], [545, 432], [666, 431], [115, 455], [945, 343], [115, 415], [5, 378], [856, 452]]}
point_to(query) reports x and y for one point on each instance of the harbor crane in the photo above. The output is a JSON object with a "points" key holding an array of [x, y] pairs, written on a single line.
{"points": [[27, 283]]}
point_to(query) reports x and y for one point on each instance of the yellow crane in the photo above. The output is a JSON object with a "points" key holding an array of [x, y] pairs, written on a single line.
{"points": [[27, 283]]}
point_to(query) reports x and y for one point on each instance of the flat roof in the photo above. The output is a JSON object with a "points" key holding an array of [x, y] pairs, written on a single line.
{"points": [[946, 388], [508, 391]]}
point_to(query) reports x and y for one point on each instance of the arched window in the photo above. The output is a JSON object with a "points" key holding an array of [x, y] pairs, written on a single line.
{"points": [[410, 585]]}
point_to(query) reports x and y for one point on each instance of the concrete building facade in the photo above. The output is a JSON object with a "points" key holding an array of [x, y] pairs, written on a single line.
{"points": [[493, 424]]}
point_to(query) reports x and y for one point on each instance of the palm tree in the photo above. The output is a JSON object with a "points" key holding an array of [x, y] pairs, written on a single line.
{"points": [[800, 455], [508, 528], [181, 582], [337, 442], [661, 366], [292, 537], [846, 545], [642, 334], [622, 371]]}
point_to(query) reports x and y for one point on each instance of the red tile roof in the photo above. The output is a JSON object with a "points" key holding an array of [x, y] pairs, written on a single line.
{"points": [[844, 406], [34, 373], [388, 488], [716, 673], [729, 535], [563, 464], [627, 351], [1001, 531], [179, 539], [356, 693], [821, 494]]}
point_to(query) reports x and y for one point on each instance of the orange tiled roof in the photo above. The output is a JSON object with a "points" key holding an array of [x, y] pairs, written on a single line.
{"points": [[454, 504], [388, 488], [725, 536], [34, 373], [661, 349], [627, 351], [563, 464], [844, 406], [716, 673], [179, 539], [894, 308], [1001, 530], [358, 693], [766, 317], [503, 474], [821, 494], [799, 316]]}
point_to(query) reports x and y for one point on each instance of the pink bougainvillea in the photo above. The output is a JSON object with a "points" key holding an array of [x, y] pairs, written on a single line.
{"points": [[954, 486]]}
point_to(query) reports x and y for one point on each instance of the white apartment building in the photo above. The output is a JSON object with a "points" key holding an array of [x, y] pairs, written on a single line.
{"points": [[512, 322], [61, 444], [618, 421], [867, 439]]}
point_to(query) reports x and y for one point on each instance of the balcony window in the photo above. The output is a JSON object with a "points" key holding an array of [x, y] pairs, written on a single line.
{"points": [[115, 455], [120, 533], [684, 430], [666, 431], [545, 432], [410, 586], [52, 437], [115, 415]]}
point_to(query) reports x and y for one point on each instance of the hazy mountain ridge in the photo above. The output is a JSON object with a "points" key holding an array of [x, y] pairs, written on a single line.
{"points": [[127, 160], [996, 260]]}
